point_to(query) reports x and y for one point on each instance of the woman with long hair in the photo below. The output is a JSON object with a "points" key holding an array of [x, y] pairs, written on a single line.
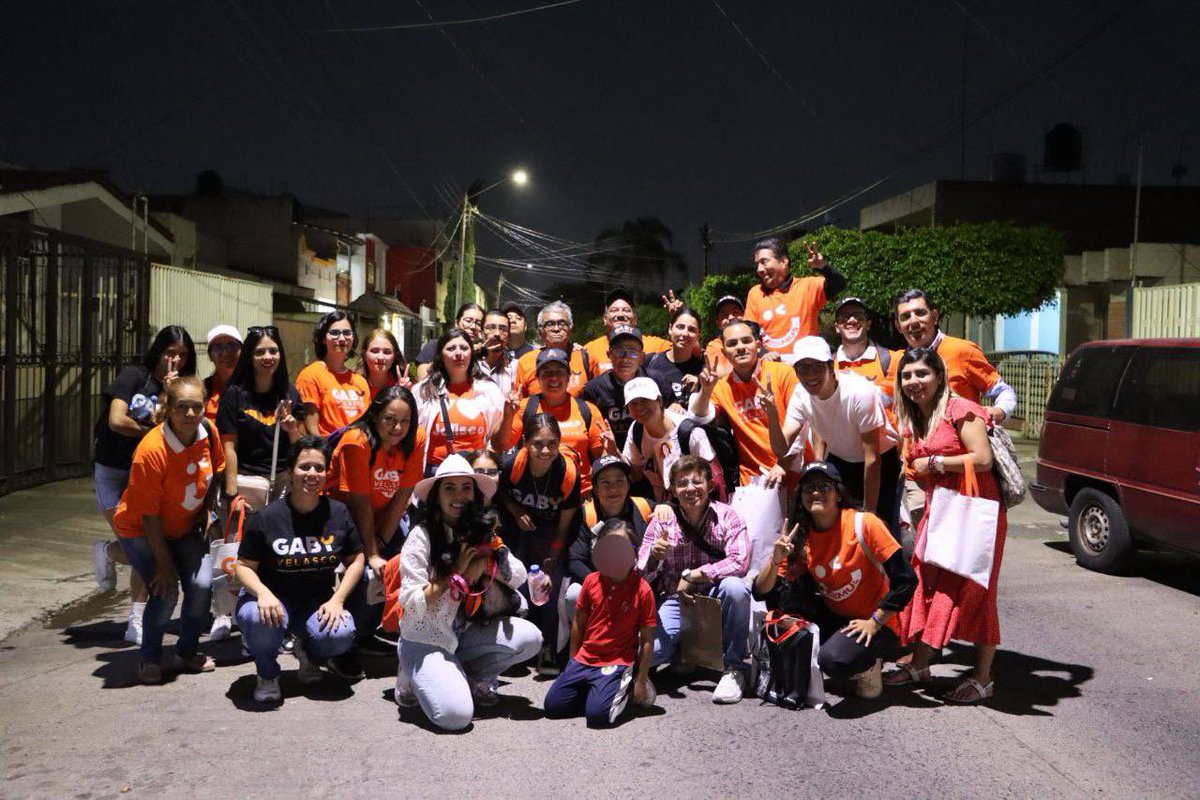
{"points": [[680, 366], [459, 406], [841, 568], [382, 363], [131, 409], [159, 522], [286, 564], [540, 496], [946, 436], [333, 395], [450, 652]]}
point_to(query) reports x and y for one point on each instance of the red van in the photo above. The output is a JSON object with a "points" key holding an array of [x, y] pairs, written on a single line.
{"points": [[1120, 449]]}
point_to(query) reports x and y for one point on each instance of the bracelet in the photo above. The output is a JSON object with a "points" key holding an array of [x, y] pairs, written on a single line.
{"points": [[877, 620], [938, 464]]}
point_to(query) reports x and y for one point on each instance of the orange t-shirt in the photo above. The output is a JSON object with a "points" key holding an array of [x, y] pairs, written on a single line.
{"points": [[786, 316], [587, 442], [968, 372], [852, 586], [736, 399], [598, 352], [350, 469], [168, 480], [715, 349], [527, 382], [339, 398], [213, 389], [468, 422]]}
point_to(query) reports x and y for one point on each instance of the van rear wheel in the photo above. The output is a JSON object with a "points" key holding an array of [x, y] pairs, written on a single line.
{"points": [[1099, 535]]}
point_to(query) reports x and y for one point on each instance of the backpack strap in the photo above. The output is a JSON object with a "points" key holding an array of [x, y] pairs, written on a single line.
{"points": [[685, 429], [636, 432], [446, 428], [584, 412], [590, 515], [587, 362], [531, 409], [520, 461], [570, 476], [862, 542], [885, 359], [643, 507]]}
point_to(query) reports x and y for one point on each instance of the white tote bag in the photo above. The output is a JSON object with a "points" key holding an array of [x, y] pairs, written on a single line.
{"points": [[762, 511], [225, 585], [961, 532]]}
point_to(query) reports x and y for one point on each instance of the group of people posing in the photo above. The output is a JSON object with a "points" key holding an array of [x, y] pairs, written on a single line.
{"points": [[498, 502]]}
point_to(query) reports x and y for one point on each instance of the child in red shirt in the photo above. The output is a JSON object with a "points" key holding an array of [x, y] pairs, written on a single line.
{"points": [[613, 628]]}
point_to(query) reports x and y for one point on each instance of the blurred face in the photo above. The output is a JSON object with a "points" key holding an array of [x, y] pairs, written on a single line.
{"points": [[917, 321], [556, 331], [454, 495], [772, 271], [266, 356], [619, 313], [308, 476], [224, 352], [187, 411], [542, 447], [691, 489], [819, 495], [685, 332], [394, 422], [516, 324], [172, 359], [611, 487], [741, 347], [495, 332], [643, 410], [380, 355], [815, 376], [554, 378], [456, 355], [852, 324], [340, 338], [728, 313], [614, 555], [626, 355], [471, 323], [919, 382]]}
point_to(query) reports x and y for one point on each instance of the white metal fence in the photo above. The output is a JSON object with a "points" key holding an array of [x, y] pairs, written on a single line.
{"points": [[1033, 380], [1166, 311], [200, 300]]}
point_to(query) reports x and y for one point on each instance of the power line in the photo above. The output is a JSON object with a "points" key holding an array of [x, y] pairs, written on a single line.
{"points": [[471, 21]]}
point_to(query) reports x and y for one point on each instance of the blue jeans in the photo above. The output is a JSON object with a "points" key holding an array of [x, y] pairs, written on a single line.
{"points": [[734, 594], [263, 640], [194, 568]]}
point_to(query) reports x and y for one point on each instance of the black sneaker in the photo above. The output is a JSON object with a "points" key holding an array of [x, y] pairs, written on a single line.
{"points": [[547, 663], [346, 666]]}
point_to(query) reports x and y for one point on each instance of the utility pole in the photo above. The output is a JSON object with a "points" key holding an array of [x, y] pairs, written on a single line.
{"points": [[499, 288], [462, 252], [706, 242], [1137, 212]]}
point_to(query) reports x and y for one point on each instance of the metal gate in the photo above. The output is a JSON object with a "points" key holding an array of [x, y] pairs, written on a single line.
{"points": [[73, 312]]}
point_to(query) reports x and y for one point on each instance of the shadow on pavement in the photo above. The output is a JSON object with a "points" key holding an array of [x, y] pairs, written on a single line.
{"points": [[1179, 571], [329, 689]]}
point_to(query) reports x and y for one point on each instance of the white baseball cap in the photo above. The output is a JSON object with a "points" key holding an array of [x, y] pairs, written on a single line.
{"points": [[224, 330], [813, 347], [641, 389]]}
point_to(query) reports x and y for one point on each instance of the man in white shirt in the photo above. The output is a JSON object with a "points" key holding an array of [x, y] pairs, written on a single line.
{"points": [[849, 429], [653, 445]]}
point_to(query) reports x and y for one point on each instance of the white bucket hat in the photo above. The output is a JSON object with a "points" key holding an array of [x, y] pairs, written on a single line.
{"points": [[455, 466]]}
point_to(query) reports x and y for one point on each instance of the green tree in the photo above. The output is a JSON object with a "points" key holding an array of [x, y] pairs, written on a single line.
{"points": [[638, 254]]}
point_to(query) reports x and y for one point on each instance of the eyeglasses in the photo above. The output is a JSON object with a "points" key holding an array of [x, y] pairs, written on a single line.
{"points": [[492, 327], [818, 487], [625, 353], [491, 473], [224, 347], [556, 323], [340, 333]]}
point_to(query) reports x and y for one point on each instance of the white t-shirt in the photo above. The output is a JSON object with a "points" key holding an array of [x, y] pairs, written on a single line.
{"points": [[658, 454], [853, 409]]}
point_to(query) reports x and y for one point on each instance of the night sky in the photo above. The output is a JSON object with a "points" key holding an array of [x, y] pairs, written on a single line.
{"points": [[617, 108]]}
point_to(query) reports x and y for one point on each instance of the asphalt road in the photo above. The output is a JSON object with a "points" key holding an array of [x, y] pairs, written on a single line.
{"points": [[1097, 697]]}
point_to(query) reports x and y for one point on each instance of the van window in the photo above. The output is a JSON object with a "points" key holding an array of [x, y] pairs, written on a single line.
{"points": [[1162, 389], [1088, 383]]}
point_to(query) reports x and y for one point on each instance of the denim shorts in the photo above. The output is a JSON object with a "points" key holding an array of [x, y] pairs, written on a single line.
{"points": [[109, 484]]}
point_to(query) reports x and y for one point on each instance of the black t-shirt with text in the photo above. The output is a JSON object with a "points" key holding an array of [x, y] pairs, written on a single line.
{"points": [[298, 553], [113, 449], [609, 396], [251, 417], [664, 370], [542, 497]]}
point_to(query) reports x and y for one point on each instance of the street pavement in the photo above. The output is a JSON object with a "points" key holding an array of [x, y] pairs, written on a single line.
{"points": [[1096, 697]]}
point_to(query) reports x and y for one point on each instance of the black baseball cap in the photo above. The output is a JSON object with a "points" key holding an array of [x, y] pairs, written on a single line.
{"points": [[617, 294], [552, 355], [510, 308], [729, 298], [849, 301], [606, 461], [624, 332], [824, 468]]}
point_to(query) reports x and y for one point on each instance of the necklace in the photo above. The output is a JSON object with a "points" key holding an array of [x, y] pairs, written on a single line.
{"points": [[545, 482]]}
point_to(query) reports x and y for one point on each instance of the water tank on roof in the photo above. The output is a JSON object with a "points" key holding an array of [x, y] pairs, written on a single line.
{"points": [[1008, 167], [1063, 149]]}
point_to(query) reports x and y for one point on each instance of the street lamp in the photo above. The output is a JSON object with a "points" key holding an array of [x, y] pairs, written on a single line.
{"points": [[520, 178]]}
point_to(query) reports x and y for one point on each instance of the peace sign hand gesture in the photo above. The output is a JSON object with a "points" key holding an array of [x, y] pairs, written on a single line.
{"points": [[765, 396], [671, 302], [816, 261], [708, 376]]}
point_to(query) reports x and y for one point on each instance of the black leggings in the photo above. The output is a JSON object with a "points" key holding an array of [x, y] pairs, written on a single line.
{"points": [[891, 485], [841, 656]]}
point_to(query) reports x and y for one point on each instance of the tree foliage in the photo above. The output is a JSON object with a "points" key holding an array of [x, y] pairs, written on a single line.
{"points": [[981, 270], [638, 254]]}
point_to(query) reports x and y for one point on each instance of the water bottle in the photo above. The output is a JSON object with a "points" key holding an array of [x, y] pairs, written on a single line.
{"points": [[539, 586], [141, 409]]}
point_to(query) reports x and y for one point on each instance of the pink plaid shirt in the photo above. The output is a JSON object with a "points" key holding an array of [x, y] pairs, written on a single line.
{"points": [[720, 526]]}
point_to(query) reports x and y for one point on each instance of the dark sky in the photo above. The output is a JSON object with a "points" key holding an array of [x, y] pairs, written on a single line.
{"points": [[618, 108]]}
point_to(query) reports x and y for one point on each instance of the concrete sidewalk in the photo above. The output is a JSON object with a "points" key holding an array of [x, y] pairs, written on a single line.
{"points": [[47, 533]]}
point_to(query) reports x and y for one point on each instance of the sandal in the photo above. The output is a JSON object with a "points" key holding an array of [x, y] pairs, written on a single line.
{"points": [[970, 692], [905, 675]]}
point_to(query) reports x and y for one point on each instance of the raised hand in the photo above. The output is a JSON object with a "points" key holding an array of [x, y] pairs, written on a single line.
{"points": [[816, 261], [671, 302]]}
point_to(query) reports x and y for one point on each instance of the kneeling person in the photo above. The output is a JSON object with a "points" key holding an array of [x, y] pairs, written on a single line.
{"points": [[614, 627]]}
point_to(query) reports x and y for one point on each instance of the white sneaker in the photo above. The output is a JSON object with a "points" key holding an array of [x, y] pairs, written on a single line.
{"points": [[222, 627], [104, 569], [308, 672], [133, 631], [731, 688], [267, 690], [868, 684], [405, 696]]}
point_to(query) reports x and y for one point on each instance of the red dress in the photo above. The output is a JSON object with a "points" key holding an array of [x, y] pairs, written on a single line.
{"points": [[948, 606]]}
